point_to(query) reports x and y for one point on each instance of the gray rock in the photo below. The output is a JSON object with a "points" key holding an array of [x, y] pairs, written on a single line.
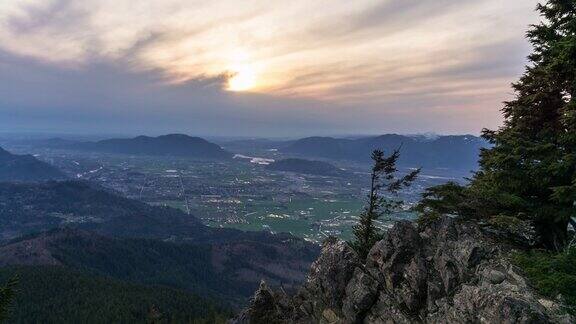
{"points": [[361, 294], [385, 311], [328, 278], [495, 276], [448, 272], [266, 307]]}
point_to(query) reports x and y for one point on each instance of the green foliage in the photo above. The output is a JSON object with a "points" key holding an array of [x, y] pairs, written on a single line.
{"points": [[552, 274], [446, 199], [57, 295], [505, 222], [7, 293], [383, 178], [530, 171]]}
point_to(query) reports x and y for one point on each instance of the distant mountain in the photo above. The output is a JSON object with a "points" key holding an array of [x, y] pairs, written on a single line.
{"points": [[55, 294], [26, 168], [307, 167], [457, 152], [115, 239], [55, 143], [167, 145], [325, 147]]}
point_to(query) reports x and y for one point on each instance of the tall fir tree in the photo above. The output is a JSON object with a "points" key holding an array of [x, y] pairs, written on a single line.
{"points": [[530, 172], [382, 178]]}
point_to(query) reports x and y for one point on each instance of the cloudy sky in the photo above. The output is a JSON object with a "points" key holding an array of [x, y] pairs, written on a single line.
{"points": [[259, 68]]}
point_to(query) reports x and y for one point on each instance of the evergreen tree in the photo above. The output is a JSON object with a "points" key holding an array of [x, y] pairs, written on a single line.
{"points": [[530, 172], [7, 293], [445, 199], [383, 177]]}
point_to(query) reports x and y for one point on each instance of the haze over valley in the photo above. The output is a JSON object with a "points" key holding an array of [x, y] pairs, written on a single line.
{"points": [[311, 188]]}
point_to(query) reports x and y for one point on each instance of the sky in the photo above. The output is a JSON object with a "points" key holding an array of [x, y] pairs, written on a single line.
{"points": [[259, 67]]}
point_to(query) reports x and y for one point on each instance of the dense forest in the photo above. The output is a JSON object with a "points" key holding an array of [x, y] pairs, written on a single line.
{"points": [[52, 294], [145, 261]]}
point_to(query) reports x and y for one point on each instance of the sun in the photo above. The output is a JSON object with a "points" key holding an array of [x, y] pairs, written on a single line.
{"points": [[242, 79]]}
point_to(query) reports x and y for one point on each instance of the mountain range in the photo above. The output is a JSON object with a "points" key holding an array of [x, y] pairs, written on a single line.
{"points": [[450, 152], [178, 145], [457, 152], [26, 168]]}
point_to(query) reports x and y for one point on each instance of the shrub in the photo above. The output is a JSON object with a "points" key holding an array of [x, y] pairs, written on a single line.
{"points": [[552, 274]]}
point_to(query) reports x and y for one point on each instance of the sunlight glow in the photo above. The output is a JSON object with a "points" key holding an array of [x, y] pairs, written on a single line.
{"points": [[242, 79], [242, 73]]}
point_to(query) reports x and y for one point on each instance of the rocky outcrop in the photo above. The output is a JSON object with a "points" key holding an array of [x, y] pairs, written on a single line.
{"points": [[448, 272]]}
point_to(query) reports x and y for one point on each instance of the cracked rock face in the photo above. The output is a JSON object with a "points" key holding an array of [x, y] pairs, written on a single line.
{"points": [[448, 272]]}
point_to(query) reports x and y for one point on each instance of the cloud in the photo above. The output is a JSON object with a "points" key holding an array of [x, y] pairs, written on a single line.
{"points": [[320, 66]]}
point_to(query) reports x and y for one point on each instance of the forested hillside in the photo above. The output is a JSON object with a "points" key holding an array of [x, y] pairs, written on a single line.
{"points": [[96, 231], [202, 269], [26, 168], [54, 294]]}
